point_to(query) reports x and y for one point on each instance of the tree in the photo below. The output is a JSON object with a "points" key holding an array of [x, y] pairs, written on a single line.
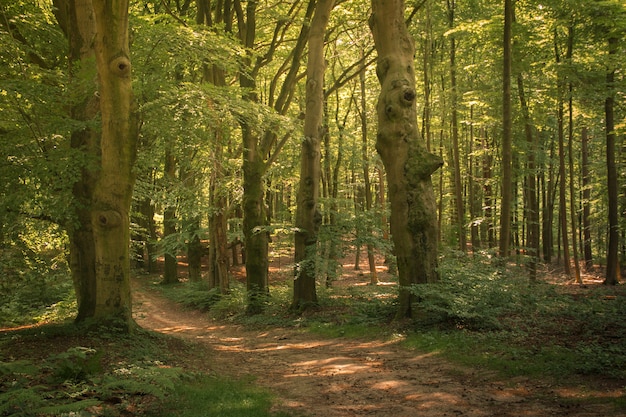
{"points": [[98, 30], [308, 216], [118, 145], [507, 133], [612, 256], [408, 164]]}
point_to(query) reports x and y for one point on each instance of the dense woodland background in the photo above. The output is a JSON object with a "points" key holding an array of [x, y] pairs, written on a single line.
{"points": [[200, 91]]}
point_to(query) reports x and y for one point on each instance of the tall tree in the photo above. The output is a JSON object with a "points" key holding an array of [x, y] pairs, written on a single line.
{"points": [[407, 162], [98, 34], [612, 256], [118, 145], [507, 133], [456, 151], [308, 215]]}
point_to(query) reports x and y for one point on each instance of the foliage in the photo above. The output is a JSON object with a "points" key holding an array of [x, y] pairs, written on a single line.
{"points": [[491, 316], [36, 284]]}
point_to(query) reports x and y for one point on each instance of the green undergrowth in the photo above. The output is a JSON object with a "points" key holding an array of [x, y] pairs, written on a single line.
{"points": [[495, 318], [111, 374]]}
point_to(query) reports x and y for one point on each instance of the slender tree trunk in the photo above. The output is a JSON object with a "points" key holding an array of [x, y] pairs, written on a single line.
{"points": [[488, 190], [612, 256], [456, 151], [507, 135], [530, 193], [562, 175], [408, 164], [474, 202], [587, 253], [570, 145], [366, 175], [308, 216], [170, 272]]}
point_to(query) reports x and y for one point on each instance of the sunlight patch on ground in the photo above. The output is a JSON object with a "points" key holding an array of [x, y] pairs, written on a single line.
{"points": [[574, 392], [389, 385]]}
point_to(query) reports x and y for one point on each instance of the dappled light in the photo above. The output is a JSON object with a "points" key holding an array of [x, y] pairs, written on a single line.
{"points": [[343, 377]]}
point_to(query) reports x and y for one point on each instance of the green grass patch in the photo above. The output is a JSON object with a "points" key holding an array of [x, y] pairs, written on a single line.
{"points": [[216, 396]]}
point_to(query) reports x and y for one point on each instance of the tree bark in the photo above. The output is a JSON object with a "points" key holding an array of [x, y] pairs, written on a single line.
{"points": [[118, 146], [100, 245], [530, 193], [562, 175], [367, 187], [308, 216], [507, 134], [570, 154], [76, 18], [586, 197], [456, 151], [612, 256], [170, 272], [408, 164]]}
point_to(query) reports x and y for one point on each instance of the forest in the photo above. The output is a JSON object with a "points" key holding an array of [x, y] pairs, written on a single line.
{"points": [[440, 177]]}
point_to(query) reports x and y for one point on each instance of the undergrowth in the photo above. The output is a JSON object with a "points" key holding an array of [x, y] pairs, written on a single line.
{"points": [[89, 375]]}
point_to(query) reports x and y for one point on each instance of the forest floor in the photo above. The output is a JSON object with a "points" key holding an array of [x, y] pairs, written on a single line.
{"points": [[311, 375]]}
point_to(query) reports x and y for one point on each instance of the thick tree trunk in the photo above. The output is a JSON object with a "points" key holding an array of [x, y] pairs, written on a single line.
{"points": [[100, 244], [76, 17], [118, 146], [308, 216], [408, 164]]}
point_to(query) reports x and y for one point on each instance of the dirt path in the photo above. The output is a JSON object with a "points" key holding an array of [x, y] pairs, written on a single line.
{"points": [[313, 376]]}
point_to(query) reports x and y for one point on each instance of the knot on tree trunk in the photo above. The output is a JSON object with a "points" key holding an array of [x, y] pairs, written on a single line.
{"points": [[120, 66], [109, 219]]}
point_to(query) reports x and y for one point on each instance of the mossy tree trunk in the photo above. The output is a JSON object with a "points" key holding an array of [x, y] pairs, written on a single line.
{"points": [[308, 216], [118, 145], [97, 31], [408, 164]]}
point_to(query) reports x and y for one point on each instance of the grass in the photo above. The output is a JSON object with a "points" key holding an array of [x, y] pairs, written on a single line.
{"points": [[110, 374], [214, 396]]}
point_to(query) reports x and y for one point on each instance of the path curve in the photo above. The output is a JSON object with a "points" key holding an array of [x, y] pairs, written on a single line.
{"points": [[317, 377]]}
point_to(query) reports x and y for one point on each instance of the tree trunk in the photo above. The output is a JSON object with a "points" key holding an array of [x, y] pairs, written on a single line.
{"points": [[530, 193], [562, 175], [76, 19], [170, 272], [366, 176], [118, 146], [570, 145], [612, 258], [587, 254], [507, 134], [456, 151], [308, 216], [408, 164]]}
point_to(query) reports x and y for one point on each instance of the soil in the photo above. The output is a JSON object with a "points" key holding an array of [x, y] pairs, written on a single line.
{"points": [[321, 377]]}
